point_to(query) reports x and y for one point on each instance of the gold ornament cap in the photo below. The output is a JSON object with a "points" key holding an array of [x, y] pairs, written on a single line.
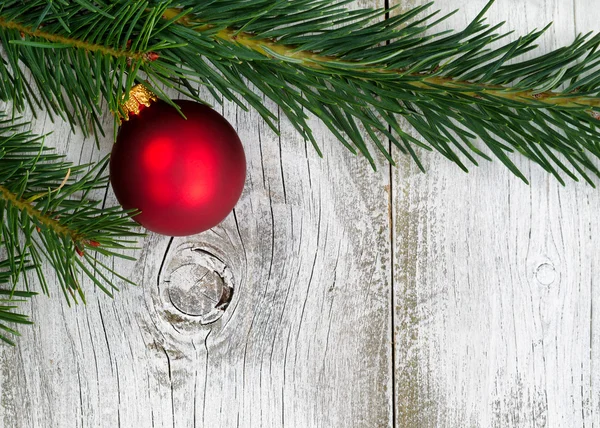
{"points": [[139, 97]]}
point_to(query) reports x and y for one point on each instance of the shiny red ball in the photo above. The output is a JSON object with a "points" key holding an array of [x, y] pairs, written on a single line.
{"points": [[185, 175]]}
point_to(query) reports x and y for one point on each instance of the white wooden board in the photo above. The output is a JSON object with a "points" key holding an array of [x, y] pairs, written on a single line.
{"points": [[360, 298]]}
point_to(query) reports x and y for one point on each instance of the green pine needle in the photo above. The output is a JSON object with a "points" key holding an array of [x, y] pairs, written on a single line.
{"points": [[9, 302]]}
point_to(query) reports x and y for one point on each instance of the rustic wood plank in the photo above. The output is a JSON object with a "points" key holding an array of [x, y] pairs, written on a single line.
{"points": [[494, 282], [305, 340]]}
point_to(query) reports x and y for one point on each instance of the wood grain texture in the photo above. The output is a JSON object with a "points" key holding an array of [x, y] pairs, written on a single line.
{"points": [[358, 298]]}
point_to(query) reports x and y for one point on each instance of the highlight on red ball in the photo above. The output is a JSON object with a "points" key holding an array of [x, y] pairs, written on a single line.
{"points": [[184, 175]]}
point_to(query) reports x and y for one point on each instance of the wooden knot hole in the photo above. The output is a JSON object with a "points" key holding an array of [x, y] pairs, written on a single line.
{"points": [[199, 286]]}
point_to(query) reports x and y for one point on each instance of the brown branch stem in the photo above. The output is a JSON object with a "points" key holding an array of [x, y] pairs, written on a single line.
{"points": [[25, 30], [25, 206]]}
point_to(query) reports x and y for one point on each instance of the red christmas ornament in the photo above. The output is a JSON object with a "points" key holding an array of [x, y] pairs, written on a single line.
{"points": [[185, 175]]}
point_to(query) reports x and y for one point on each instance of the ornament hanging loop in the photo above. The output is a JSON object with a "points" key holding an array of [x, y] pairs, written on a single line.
{"points": [[139, 98]]}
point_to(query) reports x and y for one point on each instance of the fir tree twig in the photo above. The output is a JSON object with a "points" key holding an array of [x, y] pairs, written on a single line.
{"points": [[46, 216]]}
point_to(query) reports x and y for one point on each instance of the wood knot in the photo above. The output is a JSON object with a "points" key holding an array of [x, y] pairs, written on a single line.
{"points": [[545, 274], [196, 288]]}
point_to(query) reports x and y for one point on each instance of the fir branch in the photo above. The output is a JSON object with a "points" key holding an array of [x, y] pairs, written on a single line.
{"points": [[289, 53], [82, 56], [467, 94], [47, 217]]}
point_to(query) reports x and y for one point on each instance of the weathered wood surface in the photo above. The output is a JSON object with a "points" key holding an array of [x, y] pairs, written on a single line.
{"points": [[360, 299]]}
